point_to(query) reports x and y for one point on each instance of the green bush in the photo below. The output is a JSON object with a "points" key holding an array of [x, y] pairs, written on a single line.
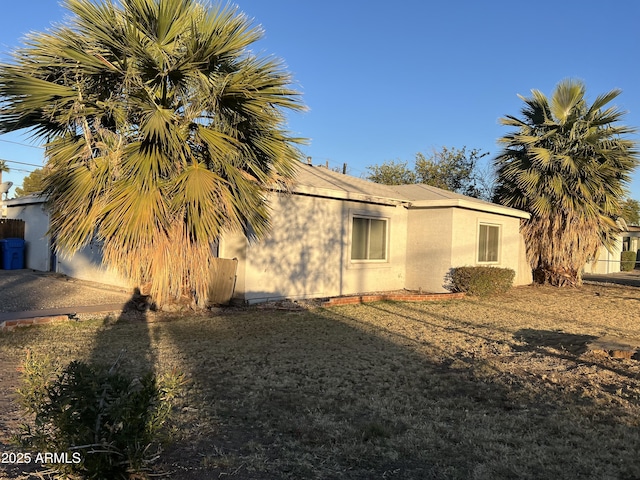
{"points": [[107, 422], [481, 281], [627, 261]]}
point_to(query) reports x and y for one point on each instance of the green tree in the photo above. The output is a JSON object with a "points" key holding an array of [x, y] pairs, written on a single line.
{"points": [[630, 211], [391, 173], [566, 163], [32, 183], [163, 131], [451, 169]]}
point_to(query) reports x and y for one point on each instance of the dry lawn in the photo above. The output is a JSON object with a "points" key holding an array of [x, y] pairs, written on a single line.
{"points": [[491, 388]]}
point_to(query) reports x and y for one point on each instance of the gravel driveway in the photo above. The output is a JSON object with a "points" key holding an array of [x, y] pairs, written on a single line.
{"points": [[28, 291]]}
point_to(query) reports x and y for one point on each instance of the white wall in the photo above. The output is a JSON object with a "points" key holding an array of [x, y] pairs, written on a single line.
{"points": [[512, 253], [37, 243], [307, 252], [86, 264], [606, 261], [442, 238], [429, 243]]}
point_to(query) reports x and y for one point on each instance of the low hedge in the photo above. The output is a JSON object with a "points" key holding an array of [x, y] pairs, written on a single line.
{"points": [[481, 281], [627, 261]]}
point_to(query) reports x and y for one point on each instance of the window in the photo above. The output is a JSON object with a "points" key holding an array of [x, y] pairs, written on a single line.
{"points": [[488, 243], [369, 239]]}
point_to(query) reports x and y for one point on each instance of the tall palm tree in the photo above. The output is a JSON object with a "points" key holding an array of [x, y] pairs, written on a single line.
{"points": [[163, 131], [567, 163]]}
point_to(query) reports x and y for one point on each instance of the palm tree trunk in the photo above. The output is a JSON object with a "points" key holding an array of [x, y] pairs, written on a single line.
{"points": [[557, 276]]}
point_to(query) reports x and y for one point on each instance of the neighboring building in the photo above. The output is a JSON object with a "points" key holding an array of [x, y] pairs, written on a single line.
{"points": [[609, 261], [31, 209], [332, 235], [631, 240], [39, 254]]}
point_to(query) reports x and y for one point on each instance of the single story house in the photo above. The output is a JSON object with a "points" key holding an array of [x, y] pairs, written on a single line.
{"points": [[334, 234]]}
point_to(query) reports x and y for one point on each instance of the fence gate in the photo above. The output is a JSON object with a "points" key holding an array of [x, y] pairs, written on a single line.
{"points": [[11, 228], [222, 280]]}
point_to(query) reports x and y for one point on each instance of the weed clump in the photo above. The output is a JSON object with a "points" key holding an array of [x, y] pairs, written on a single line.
{"points": [[481, 281], [105, 421]]}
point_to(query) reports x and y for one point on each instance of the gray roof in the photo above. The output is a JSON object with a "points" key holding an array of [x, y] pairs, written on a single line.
{"points": [[421, 191], [320, 181]]}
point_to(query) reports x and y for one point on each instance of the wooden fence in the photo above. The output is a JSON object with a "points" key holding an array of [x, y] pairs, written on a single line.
{"points": [[222, 280], [10, 228]]}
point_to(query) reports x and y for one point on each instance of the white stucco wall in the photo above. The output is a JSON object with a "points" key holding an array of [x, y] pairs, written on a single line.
{"points": [[86, 264], [308, 250], [429, 244], [36, 218], [466, 224], [442, 238], [307, 253], [606, 261]]}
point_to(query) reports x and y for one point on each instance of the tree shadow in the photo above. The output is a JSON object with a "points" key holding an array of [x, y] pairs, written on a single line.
{"points": [[572, 344], [329, 394], [126, 339]]}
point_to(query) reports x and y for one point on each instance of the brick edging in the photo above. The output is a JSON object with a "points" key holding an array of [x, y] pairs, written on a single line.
{"points": [[9, 325], [396, 297]]}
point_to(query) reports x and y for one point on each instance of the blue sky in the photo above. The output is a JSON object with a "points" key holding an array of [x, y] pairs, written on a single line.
{"points": [[383, 82]]}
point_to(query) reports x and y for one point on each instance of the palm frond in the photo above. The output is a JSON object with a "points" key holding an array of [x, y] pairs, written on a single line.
{"points": [[568, 164], [164, 132]]}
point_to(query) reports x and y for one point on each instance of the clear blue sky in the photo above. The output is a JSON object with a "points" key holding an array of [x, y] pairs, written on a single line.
{"points": [[384, 81]]}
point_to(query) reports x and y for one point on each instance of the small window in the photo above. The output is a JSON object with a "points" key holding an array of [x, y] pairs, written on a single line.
{"points": [[369, 239], [488, 243]]}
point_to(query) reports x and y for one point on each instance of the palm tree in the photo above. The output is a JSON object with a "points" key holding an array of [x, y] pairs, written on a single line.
{"points": [[567, 163], [162, 132], [3, 168]]}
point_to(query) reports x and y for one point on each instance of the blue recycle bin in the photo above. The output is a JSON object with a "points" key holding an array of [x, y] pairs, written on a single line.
{"points": [[12, 253]]}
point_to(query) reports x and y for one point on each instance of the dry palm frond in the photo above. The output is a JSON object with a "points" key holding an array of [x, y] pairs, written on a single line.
{"points": [[568, 165], [163, 133]]}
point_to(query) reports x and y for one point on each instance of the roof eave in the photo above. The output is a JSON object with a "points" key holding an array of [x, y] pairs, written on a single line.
{"points": [[26, 200], [344, 195], [470, 205]]}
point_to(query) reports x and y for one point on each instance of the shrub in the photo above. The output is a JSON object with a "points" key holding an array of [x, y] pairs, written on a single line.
{"points": [[627, 260], [481, 281], [107, 422]]}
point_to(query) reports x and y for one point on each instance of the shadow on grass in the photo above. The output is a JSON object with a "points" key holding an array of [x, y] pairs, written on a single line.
{"points": [[126, 339], [382, 390], [333, 394], [560, 345], [572, 344]]}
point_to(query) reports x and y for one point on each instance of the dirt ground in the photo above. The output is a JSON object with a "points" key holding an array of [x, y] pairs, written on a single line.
{"points": [[500, 387]]}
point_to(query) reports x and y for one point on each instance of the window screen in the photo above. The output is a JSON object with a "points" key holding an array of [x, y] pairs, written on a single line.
{"points": [[369, 239], [488, 243]]}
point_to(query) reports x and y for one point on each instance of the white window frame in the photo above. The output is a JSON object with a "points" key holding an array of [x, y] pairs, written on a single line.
{"points": [[371, 217], [498, 246]]}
